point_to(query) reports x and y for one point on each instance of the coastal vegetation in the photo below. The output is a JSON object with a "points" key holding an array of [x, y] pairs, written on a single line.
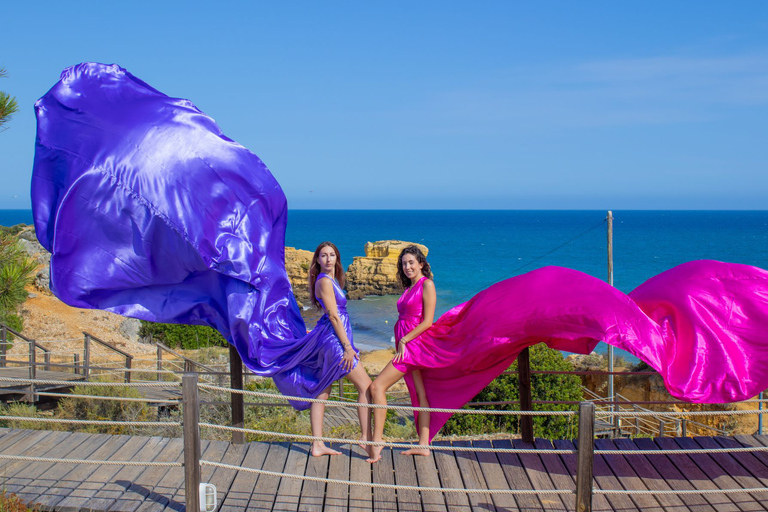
{"points": [[187, 337], [544, 387], [8, 104], [16, 272]]}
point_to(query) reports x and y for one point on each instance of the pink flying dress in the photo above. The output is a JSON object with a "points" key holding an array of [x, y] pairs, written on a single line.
{"points": [[702, 325]]}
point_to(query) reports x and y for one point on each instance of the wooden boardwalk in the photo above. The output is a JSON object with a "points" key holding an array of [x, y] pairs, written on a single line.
{"points": [[72, 487], [11, 391]]}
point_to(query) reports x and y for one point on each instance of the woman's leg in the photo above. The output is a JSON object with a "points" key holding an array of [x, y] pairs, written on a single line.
{"points": [[359, 377], [388, 376], [316, 412], [423, 426]]}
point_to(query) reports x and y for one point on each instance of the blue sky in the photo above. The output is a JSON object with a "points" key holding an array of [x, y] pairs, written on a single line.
{"points": [[574, 105]]}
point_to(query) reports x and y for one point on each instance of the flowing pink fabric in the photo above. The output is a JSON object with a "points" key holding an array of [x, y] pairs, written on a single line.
{"points": [[702, 325]]}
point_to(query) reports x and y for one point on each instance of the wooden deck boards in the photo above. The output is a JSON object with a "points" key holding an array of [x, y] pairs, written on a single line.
{"points": [[69, 487]]}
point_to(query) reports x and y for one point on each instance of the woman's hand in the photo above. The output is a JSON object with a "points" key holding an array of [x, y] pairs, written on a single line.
{"points": [[400, 350], [348, 361]]}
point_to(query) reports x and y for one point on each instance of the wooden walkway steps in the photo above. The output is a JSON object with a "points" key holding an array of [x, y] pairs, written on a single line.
{"points": [[71, 487]]}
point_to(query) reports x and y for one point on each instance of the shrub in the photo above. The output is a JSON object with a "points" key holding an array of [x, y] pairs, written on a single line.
{"points": [[183, 336], [16, 272], [25, 411], [9, 502], [543, 387], [82, 408]]}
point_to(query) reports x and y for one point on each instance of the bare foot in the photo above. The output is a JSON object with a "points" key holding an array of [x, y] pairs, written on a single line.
{"points": [[417, 451], [375, 454], [319, 449]]}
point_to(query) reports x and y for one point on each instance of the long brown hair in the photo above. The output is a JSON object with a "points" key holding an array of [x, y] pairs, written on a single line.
{"points": [[425, 270], [314, 271]]}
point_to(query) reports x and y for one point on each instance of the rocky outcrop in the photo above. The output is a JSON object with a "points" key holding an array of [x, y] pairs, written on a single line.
{"points": [[297, 263], [376, 272]]}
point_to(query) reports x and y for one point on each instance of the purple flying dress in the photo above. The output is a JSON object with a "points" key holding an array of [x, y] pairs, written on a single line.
{"points": [[151, 212]]}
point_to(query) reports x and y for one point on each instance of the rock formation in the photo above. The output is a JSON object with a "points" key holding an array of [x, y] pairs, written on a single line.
{"points": [[376, 272], [297, 266]]}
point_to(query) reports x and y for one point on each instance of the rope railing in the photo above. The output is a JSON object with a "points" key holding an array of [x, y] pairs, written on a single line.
{"points": [[191, 428], [448, 448]]}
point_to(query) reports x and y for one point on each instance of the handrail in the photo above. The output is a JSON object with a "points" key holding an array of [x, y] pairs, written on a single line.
{"points": [[88, 338], [192, 362]]}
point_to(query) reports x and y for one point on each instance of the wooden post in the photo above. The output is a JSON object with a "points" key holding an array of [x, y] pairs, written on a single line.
{"points": [[236, 381], [661, 427], [191, 433], [128, 365], [87, 357], [32, 371], [760, 416], [684, 427], [159, 362], [341, 388], [3, 344], [47, 359], [76, 357], [526, 402], [584, 470]]}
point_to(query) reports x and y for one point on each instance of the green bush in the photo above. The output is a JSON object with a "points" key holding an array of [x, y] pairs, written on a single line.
{"points": [[543, 387], [182, 336], [82, 408], [16, 272]]}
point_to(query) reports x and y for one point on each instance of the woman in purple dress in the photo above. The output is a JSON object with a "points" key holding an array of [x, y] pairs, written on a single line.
{"points": [[332, 341]]}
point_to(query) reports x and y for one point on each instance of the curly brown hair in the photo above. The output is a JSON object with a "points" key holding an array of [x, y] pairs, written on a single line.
{"points": [[412, 249]]}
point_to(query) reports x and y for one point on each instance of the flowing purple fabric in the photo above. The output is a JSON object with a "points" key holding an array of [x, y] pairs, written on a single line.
{"points": [[150, 211], [701, 325]]}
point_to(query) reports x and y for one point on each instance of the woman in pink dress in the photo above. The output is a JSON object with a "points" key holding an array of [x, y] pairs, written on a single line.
{"points": [[416, 312]]}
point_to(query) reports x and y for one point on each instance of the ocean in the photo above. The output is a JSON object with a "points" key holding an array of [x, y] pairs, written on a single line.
{"points": [[470, 250]]}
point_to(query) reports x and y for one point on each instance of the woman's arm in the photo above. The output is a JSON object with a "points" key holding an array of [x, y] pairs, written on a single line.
{"points": [[429, 298], [324, 290]]}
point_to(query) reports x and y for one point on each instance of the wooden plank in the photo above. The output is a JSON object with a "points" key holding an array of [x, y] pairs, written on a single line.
{"points": [[169, 491], [384, 500], [337, 495], [289, 490], [537, 474], [426, 471], [694, 474], [244, 483], [135, 490], [450, 477], [516, 476], [42, 445], [558, 473], [753, 441], [570, 461], [360, 497], [494, 477], [264, 493], [605, 479], [136, 448], [737, 475], [313, 493], [78, 445], [472, 476], [750, 462], [627, 477], [119, 479], [656, 473], [223, 478], [71, 480], [405, 474]]}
